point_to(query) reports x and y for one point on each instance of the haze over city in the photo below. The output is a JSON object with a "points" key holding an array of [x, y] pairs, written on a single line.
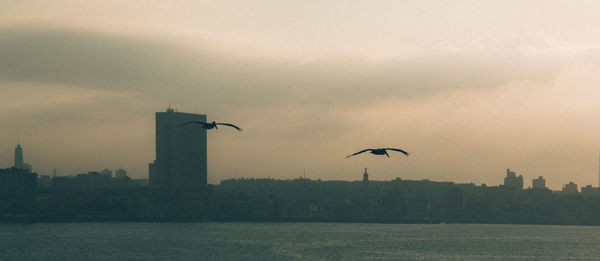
{"points": [[468, 88]]}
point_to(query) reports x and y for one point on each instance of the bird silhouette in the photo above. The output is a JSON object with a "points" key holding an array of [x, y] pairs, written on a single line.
{"points": [[211, 125], [381, 151]]}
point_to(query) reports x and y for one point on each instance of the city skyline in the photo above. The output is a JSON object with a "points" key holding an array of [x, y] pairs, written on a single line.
{"points": [[468, 88], [190, 171], [181, 161]]}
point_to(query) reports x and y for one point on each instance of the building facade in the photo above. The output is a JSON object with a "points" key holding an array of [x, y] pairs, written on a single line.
{"points": [[106, 172], [180, 152], [570, 188], [512, 180], [589, 190], [120, 173], [19, 163], [539, 183]]}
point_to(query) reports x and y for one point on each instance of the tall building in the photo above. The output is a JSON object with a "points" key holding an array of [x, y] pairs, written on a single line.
{"points": [[365, 176], [19, 163], [511, 180], [539, 183], [180, 152]]}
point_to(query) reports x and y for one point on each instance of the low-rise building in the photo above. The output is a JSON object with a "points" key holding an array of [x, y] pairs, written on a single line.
{"points": [[539, 183], [590, 191], [570, 188], [120, 173]]}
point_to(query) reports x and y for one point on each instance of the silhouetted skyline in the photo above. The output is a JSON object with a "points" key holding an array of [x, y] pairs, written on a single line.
{"points": [[183, 163], [468, 88], [177, 191]]}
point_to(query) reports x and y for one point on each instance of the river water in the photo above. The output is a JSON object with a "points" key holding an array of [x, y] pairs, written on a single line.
{"points": [[296, 241]]}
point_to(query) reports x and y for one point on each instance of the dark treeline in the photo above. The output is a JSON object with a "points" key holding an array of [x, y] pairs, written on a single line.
{"points": [[397, 201]]}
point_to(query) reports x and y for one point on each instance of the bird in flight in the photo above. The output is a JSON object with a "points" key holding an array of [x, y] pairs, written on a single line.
{"points": [[211, 125], [381, 151]]}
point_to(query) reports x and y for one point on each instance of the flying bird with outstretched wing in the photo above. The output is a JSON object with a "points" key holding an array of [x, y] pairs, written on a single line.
{"points": [[211, 125], [230, 125], [194, 122], [380, 151]]}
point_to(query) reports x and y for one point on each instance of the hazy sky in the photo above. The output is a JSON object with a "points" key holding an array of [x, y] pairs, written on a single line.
{"points": [[470, 88]]}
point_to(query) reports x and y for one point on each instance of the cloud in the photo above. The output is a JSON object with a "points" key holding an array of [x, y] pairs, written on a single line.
{"points": [[162, 69]]}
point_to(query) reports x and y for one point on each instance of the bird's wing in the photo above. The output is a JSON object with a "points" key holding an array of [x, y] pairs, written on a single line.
{"points": [[357, 153], [191, 122], [399, 150], [230, 125]]}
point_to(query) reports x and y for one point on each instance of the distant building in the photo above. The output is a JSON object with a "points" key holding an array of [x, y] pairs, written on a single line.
{"points": [[19, 163], [27, 167], [93, 180], [512, 181], [180, 153], [589, 190], [18, 190], [120, 173], [365, 177], [539, 183], [106, 172], [570, 188]]}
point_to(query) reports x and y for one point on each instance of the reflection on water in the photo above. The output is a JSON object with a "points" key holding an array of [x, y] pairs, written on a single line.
{"points": [[288, 241]]}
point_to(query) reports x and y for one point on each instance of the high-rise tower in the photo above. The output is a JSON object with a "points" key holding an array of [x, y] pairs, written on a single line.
{"points": [[180, 152], [19, 164]]}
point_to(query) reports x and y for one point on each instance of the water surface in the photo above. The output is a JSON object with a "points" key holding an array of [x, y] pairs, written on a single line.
{"points": [[293, 241]]}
